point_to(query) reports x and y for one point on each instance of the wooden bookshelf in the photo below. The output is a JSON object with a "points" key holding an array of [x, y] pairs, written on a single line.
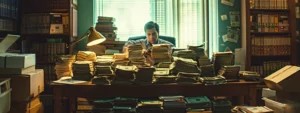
{"points": [[46, 29], [270, 35]]}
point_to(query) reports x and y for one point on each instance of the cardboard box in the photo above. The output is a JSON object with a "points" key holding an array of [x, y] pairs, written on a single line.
{"points": [[16, 70], [33, 106], [285, 79], [3, 59], [20, 60], [26, 86]]}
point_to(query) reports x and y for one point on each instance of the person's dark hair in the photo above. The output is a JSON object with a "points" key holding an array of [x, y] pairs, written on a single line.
{"points": [[150, 25]]}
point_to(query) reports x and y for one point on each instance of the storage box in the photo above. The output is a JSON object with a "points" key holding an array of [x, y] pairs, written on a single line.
{"points": [[285, 79], [33, 106], [20, 60], [16, 70], [281, 105], [267, 92], [26, 86], [3, 59]]}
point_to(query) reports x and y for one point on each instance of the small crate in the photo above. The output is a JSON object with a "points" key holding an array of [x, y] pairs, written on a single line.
{"points": [[281, 105], [5, 95]]}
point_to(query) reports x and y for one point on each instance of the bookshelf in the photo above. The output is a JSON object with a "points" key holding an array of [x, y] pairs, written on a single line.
{"points": [[46, 28], [270, 34], [9, 17]]}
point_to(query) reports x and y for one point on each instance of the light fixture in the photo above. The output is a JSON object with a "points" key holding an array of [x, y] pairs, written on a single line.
{"points": [[94, 37]]}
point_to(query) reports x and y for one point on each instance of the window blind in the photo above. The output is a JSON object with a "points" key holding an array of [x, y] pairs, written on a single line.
{"points": [[183, 19]]}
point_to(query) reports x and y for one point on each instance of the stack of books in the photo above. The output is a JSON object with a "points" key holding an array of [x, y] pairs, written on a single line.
{"points": [[149, 106], [199, 50], [107, 28], [83, 70], [161, 53], [135, 55], [188, 78], [144, 75], [207, 71], [221, 59], [188, 54], [230, 72], [124, 74], [184, 65], [63, 66]]}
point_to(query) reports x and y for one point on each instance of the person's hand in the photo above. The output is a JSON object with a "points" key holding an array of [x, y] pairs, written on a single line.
{"points": [[146, 52]]}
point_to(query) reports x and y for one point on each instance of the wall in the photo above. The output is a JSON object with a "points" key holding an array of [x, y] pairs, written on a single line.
{"points": [[85, 20], [225, 9]]}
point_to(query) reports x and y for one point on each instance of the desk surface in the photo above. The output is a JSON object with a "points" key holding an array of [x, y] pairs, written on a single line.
{"points": [[154, 90]]}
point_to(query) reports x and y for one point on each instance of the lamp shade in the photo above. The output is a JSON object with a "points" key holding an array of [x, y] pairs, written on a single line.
{"points": [[95, 37]]}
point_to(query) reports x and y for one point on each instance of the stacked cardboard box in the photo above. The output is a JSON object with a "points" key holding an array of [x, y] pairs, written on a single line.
{"points": [[284, 90]]}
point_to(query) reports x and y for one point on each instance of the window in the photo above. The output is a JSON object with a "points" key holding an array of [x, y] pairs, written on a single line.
{"points": [[183, 19]]}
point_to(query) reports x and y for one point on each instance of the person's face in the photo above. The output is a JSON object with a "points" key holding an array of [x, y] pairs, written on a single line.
{"points": [[152, 35]]}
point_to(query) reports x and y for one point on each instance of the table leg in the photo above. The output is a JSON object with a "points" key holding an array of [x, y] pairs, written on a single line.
{"points": [[252, 96], [241, 100], [72, 104], [57, 99]]}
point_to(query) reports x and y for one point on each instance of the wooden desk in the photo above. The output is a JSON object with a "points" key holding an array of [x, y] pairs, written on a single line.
{"points": [[87, 90]]}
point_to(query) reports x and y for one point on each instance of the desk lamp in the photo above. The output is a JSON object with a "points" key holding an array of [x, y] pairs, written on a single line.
{"points": [[94, 37]]}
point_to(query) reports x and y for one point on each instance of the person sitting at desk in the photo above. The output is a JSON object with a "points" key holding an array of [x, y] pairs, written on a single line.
{"points": [[152, 33]]}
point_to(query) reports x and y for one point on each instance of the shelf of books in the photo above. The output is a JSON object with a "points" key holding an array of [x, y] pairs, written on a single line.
{"points": [[270, 35], [46, 29]]}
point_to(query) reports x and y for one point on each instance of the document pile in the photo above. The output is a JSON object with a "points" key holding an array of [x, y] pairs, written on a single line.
{"points": [[231, 73], [104, 61], [86, 56], [199, 50], [188, 78], [184, 65], [124, 74], [103, 106], [213, 80], [150, 106], [134, 52], [103, 75], [135, 55], [207, 71], [83, 70], [201, 103], [250, 76], [144, 75], [161, 53], [173, 104], [221, 59], [188, 54], [125, 105], [63, 66]]}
